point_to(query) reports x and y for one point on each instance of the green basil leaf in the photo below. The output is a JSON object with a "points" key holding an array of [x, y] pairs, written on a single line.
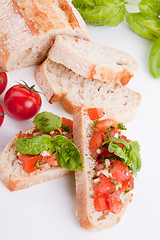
{"points": [[154, 59], [145, 27], [47, 122], [67, 153], [150, 8], [101, 12], [129, 153], [34, 145], [116, 140], [117, 150]]}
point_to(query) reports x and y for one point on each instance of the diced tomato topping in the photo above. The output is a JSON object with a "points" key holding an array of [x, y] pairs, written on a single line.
{"points": [[114, 202], [128, 185], [95, 143], [29, 162], [119, 171], [102, 125], [24, 135], [104, 154], [51, 160], [104, 186], [100, 203], [67, 122], [95, 113]]}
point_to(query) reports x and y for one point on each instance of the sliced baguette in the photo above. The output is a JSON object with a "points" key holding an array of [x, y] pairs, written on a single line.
{"points": [[15, 178], [59, 83], [28, 29], [89, 218], [93, 61]]}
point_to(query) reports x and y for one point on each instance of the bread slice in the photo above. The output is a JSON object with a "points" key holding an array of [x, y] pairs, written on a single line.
{"points": [[88, 217], [93, 61], [28, 29], [15, 178], [59, 83]]}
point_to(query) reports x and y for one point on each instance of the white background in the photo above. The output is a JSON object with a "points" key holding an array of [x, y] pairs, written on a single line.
{"points": [[47, 211]]}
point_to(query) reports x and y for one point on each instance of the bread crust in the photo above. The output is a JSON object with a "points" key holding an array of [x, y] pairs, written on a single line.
{"points": [[85, 215], [28, 28], [19, 182]]}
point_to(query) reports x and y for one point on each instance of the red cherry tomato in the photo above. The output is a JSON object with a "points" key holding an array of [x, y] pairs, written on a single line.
{"points": [[1, 114], [3, 80], [22, 102]]}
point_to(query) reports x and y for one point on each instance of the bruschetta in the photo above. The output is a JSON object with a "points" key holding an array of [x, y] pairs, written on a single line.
{"points": [[110, 161]]}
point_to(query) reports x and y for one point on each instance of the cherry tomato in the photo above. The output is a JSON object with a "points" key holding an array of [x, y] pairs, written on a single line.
{"points": [[1, 114], [22, 102], [95, 113], [3, 80]]}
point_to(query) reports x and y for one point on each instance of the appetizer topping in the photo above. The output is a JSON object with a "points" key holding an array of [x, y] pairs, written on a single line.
{"points": [[95, 113], [47, 148], [117, 160]]}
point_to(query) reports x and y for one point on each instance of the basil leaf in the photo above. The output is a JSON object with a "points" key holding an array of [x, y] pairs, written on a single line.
{"points": [[150, 8], [67, 154], [47, 122], [129, 153], [101, 12], [145, 27], [34, 145], [154, 59], [116, 140]]}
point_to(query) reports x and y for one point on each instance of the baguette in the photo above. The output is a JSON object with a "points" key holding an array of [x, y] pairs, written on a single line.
{"points": [[28, 29], [15, 178], [89, 217], [59, 83], [93, 61]]}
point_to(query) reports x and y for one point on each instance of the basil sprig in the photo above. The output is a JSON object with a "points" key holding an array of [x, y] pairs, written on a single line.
{"points": [[47, 122], [154, 59], [129, 153], [68, 155], [101, 12], [34, 145], [150, 8]]}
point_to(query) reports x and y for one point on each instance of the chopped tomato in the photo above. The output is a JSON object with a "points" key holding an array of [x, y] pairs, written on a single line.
{"points": [[95, 143], [119, 171], [29, 162], [114, 202], [95, 113], [105, 186], [67, 122], [51, 160], [104, 154], [100, 203], [106, 123], [24, 135], [128, 185]]}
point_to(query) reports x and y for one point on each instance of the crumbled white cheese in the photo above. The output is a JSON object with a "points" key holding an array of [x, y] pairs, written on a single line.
{"points": [[116, 135], [45, 153], [96, 180], [98, 151], [107, 163], [105, 172], [52, 132], [119, 185]]}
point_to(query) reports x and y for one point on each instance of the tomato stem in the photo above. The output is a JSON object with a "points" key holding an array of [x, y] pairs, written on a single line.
{"points": [[29, 88], [1, 81], [2, 113]]}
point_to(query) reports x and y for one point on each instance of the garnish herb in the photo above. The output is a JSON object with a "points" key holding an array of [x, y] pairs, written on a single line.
{"points": [[67, 154], [112, 181], [47, 122], [94, 126], [121, 126], [65, 127]]}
